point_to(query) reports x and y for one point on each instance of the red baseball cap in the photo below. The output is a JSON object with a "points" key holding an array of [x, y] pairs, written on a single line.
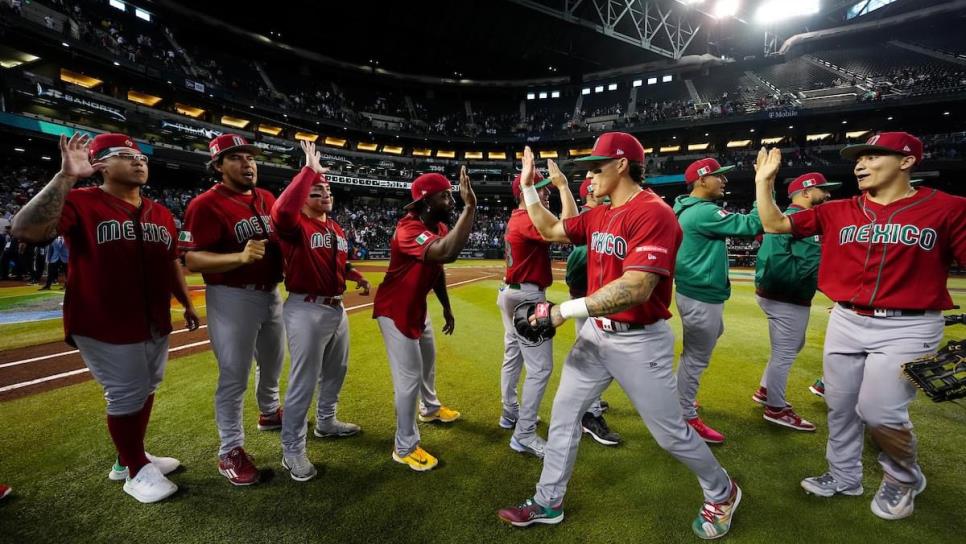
{"points": [[893, 143], [230, 142], [812, 179], [428, 184], [704, 167], [109, 143], [615, 145], [538, 183]]}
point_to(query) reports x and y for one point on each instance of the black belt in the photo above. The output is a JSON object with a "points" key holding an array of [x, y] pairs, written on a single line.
{"points": [[267, 287], [880, 312], [519, 286], [326, 301], [609, 325]]}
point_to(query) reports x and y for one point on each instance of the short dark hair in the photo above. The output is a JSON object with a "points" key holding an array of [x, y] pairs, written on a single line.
{"points": [[636, 171]]}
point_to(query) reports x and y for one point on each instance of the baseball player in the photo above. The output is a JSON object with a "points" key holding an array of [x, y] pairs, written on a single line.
{"points": [[818, 387], [701, 277], [117, 309], [228, 237], [786, 277], [592, 422], [315, 252], [528, 274], [872, 245], [631, 246], [421, 244]]}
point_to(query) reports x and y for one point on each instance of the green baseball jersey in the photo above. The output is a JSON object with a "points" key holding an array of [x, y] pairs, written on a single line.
{"points": [[577, 272], [701, 270], [787, 268]]}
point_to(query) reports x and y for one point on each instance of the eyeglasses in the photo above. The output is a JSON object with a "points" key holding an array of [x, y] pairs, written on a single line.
{"points": [[139, 157]]}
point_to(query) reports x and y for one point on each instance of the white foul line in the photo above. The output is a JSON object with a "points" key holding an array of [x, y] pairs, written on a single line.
{"points": [[11, 387]]}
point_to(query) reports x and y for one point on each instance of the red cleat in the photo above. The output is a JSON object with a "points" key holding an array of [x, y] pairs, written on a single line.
{"points": [[706, 433], [238, 467]]}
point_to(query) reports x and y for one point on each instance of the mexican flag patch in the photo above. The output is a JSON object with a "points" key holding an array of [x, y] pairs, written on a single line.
{"points": [[185, 236], [722, 213], [422, 238]]}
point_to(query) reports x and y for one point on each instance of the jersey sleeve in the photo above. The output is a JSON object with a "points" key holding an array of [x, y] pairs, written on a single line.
{"points": [[957, 234], [715, 221], [201, 229], [652, 241], [576, 228], [413, 238], [806, 222], [68, 215]]}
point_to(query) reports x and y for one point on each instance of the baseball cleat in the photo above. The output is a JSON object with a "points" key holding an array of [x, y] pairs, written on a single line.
{"points": [[333, 428], [299, 467], [788, 418], [166, 465], [706, 433], [149, 485], [818, 388], [444, 415], [534, 447], [714, 518], [896, 500], [419, 460], [5, 490], [760, 396], [238, 467], [507, 423], [270, 422], [597, 428], [826, 486], [529, 512]]}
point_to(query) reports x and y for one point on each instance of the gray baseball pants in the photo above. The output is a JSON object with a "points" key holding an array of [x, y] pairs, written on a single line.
{"points": [[244, 324], [786, 333], [318, 341], [129, 373], [703, 324], [642, 362], [595, 408], [413, 365], [517, 353]]}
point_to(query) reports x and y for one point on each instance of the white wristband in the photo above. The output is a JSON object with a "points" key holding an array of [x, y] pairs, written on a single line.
{"points": [[574, 308], [530, 195]]}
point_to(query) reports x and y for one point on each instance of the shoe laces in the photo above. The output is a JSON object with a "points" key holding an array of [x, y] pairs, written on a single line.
{"points": [[892, 492], [711, 511], [826, 479]]}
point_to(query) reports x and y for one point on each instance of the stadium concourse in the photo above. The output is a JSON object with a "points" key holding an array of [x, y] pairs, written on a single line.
{"points": [[304, 111]]}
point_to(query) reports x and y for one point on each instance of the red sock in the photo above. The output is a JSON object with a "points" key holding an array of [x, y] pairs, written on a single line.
{"points": [[145, 415], [126, 433]]}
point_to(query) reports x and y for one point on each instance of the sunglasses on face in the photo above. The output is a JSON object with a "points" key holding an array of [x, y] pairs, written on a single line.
{"points": [[133, 157]]}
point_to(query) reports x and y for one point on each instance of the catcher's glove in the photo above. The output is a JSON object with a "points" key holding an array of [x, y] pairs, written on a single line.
{"points": [[543, 330], [941, 376]]}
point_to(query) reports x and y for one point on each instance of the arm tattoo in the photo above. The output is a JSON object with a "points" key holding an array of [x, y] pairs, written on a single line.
{"points": [[43, 211], [625, 292]]}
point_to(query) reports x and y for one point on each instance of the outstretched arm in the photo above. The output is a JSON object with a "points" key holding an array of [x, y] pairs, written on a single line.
{"points": [[447, 248], [634, 287], [559, 180], [547, 224], [766, 170], [37, 221], [285, 212]]}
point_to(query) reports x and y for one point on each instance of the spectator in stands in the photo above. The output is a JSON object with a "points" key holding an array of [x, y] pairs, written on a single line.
{"points": [[56, 261]]}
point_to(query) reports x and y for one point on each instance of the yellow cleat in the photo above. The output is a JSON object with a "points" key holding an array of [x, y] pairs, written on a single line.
{"points": [[444, 414], [419, 460]]}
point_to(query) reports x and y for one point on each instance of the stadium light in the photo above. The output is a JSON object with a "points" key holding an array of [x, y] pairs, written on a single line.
{"points": [[612, 87], [531, 96], [555, 94], [543, 95], [856, 134], [585, 90], [698, 147], [141, 14], [670, 149], [652, 81], [117, 4], [666, 79], [738, 143], [638, 82], [477, 155], [817, 137], [599, 89], [773, 11], [725, 8], [236, 122], [772, 140]]}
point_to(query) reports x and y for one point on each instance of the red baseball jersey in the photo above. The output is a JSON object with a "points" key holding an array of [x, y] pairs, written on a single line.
{"points": [[314, 251], [893, 257], [643, 234], [222, 221], [120, 278], [527, 253], [402, 294]]}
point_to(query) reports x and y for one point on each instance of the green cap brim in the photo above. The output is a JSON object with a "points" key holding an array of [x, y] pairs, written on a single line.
{"points": [[593, 158], [542, 183], [722, 170], [829, 185]]}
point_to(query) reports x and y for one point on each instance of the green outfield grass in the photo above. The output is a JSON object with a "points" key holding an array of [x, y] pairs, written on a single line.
{"points": [[55, 451]]}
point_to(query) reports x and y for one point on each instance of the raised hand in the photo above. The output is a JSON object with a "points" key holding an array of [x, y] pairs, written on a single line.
{"points": [[557, 178], [74, 161], [526, 173], [254, 251], [767, 165], [313, 158], [466, 189]]}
